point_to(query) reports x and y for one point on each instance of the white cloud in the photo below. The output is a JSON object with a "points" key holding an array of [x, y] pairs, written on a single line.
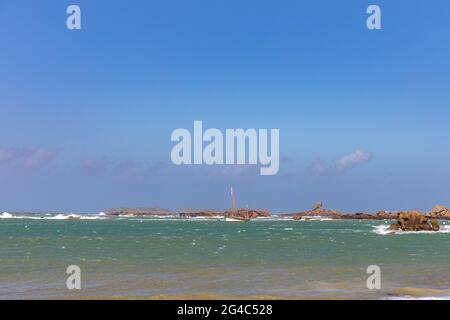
{"points": [[353, 159], [343, 163]]}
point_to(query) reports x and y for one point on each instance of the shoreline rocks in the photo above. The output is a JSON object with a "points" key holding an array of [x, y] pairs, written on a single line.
{"points": [[199, 213], [241, 213], [317, 212], [137, 212], [439, 212], [414, 221], [248, 213]]}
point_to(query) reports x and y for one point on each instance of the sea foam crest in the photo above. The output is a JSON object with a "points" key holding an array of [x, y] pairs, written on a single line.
{"points": [[6, 215], [384, 230]]}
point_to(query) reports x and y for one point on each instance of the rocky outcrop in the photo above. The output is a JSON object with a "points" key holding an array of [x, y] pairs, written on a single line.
{"points": [[359, 216], [435, 224], [137, 212], [386, 215], [199, 213], [187, 213], [318, 210], [380, 215], [242, 213], [248, 213], [439, 212], [317, 206], [414, 221], [333, 214]]}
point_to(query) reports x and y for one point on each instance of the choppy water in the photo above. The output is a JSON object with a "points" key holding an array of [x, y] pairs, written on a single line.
{"points": [[155, 258]]}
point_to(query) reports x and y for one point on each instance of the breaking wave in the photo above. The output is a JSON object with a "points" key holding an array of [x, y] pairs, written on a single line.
{"points": [[384, 230], [6, 215], [47, 216]]}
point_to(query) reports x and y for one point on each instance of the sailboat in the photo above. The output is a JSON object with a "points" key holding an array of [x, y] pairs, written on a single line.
{"points": [[233, 217]]}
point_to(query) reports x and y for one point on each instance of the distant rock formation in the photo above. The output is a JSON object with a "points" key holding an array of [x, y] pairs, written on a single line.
{"points": [[435, 224], [319, 211], [380, 215], [187, 213], [317, 206], [192, 213], [360, 216], [414, 221], [439, 212], [137, 211], [386, 215], [248, 213], [243, 213]]}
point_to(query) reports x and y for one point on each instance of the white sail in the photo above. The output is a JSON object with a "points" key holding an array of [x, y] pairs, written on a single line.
{"points": [[232, 217]]}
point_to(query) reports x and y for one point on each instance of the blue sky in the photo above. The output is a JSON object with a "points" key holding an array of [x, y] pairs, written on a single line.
{"points": [[87, 115]]}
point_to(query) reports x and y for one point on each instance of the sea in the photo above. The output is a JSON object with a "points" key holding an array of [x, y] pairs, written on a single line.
{"points": [[173, 258]]}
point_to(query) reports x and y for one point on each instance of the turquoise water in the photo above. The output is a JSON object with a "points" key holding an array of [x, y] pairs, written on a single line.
{"points": [[152, 258]]}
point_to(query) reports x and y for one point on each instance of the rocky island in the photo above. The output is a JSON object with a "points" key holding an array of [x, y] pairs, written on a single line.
{"points": [[414, 221], [405, 220]]}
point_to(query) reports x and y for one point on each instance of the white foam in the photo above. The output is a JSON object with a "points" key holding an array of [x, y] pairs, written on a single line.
{"points": [[91, 218], [62, 217], [6, 215], [315, 218], [47, 216], [166, 216], [384, 230], [72, 216]]}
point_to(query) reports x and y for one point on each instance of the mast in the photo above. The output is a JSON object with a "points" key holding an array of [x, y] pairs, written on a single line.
{"points": [[233, 207]]}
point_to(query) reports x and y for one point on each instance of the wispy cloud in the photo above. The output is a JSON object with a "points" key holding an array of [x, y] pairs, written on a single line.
{"points": [[318, 167], [353, 159], [27, 158], [343, 163]]}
